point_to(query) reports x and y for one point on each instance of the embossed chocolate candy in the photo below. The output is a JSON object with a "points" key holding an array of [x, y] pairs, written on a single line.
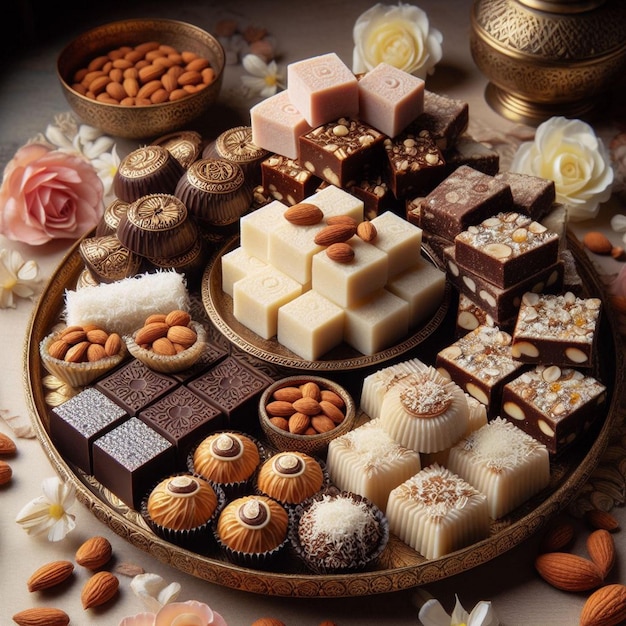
{"points": [[557, 329], [555, 405]]}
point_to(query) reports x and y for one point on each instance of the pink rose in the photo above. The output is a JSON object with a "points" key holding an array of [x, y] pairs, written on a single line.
{"points": [[48, 194]]}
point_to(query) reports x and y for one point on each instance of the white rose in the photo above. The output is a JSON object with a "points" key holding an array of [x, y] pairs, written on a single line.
{"points": [[569, 153], [397, 35]]}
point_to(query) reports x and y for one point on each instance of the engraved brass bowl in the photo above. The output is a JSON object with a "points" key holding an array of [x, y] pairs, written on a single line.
{"points": [[137, 122], [548, 57]]}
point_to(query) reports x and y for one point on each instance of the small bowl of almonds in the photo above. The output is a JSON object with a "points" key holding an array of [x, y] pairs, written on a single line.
{"points": [[168, 342], [304, 413], [141, 78]]}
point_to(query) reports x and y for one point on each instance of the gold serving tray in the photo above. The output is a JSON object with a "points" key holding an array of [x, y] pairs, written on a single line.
{"points": [[399, 567], [219, 307]]}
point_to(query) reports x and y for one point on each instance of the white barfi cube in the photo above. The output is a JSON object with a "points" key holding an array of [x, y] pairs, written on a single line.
{"points": [[276, 125], [437, 512], [423, 287], [310, 325], [400, 239], [377, 323], [335, 201], [238, 264], [323, 88], [390, 98], [346, 284], [255, 228], [291, 249], [257, 298], [503, 462], [369, 462]]}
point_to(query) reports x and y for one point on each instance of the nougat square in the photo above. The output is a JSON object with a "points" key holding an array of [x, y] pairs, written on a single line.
{"points": [[322, 88], [343, 151], [390, 99], [286, 180], [560, 329], [75, 424], [276, 125], [552, 404], [129, 458], [481, 363]]}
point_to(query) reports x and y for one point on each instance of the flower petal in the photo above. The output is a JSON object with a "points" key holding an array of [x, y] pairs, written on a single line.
{"points": [[255, 65], [433, 614], [483, 615]]}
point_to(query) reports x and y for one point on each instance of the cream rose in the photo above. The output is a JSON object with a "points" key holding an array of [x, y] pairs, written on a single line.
{"points": [[400, 36], [569, 153], [48, 194]]}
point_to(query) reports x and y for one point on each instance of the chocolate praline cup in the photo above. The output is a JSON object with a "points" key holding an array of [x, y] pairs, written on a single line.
{"points": [[107, 259], [200, 537], [111, 217], [157, 225], [183, 145], [312, 561], [250, 512], [146, 170], [236, 145], [215, 192], [232, 488], [170, 364]]}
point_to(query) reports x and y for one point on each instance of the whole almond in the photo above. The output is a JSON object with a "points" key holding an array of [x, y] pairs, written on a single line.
{"points": [[113, 344], [331, 411], [177, 318], [279, 408], [304, 214], [333, 398], [311, 390], [42, 616], [558, 536], [366, 231], [605, 607], [298, 423], [322, 423], [601, 549], [164, 347], [6, 473], [335, 233], [597, 242], [151, 332], [306, 405], [50, 575], [77, 353], [74, 336], [94, 553], [100, 588], [97, 335], [340, 252], [568, 572], [598, 519], [183, 335], [280, 422], [341, 219], [58, 349], [95, 352], [7, 445], [287, 394]]}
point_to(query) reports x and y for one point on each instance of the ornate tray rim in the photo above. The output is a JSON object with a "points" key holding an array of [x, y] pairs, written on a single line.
{"points": [[270, 351], [295, 584]]}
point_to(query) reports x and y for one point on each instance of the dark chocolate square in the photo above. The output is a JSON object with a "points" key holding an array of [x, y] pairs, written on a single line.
{"points": [[235, 389], [445, 118], [532, 195], [212, 354], [130, 458], [134, 386], [183, 418], [75, 424]]}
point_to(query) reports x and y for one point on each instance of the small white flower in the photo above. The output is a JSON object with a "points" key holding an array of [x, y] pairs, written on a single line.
{"points": [[17, 277], [153, 591], [265, 79], [399, 35], [433, 614], [106, 165], [569, 153], [49, 512]]}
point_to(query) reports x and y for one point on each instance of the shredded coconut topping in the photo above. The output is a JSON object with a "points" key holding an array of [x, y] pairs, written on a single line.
{"points": [[426, 397]]}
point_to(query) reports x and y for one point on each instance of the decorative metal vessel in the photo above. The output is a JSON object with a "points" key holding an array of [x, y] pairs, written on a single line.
{"points": [[548, 57]]}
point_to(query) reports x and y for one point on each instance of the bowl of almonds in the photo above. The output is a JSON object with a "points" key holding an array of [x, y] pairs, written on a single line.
{"points": [[168, 342], [304, 413], [141, 78], [79, 354]]}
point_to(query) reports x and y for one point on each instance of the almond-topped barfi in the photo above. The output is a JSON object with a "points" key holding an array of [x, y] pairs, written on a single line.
{"points": [[556, 329], [506, 248], [555, 405], [481, 364], [286, 180]]}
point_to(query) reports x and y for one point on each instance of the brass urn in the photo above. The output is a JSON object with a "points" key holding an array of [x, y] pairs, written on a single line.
{"points": [[548, 57]]}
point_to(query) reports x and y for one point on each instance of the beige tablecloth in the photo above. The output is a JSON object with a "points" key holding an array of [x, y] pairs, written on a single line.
{"points": [[29, 99]]}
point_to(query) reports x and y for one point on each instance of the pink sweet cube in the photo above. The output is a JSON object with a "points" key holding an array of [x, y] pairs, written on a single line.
{"points": [[390, 99], [276, 125], [323, 89]]}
